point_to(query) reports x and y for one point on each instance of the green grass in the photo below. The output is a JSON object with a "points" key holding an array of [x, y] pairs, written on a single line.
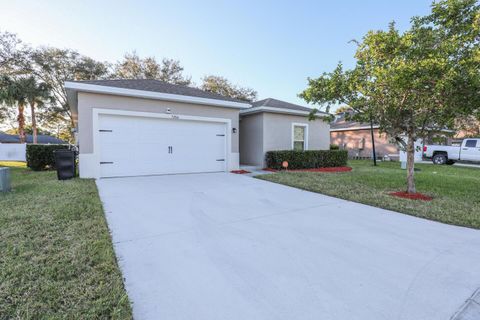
{"points": [[56, 254], [455, 189]]}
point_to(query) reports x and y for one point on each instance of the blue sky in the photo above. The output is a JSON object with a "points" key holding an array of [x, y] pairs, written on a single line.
{"points": [[271, 46]]}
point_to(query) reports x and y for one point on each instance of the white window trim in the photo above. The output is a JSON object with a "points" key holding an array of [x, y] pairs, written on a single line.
{"points": [[305, 141]]}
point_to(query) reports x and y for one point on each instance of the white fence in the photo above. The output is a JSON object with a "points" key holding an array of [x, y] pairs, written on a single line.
{"points": [[13, 151]]}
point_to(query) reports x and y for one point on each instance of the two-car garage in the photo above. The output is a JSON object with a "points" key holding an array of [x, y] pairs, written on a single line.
{"points": [[149, 127], [133, 145]]}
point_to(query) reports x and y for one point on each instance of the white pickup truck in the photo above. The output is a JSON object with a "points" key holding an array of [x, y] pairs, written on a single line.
{"points": [[468, 151]]}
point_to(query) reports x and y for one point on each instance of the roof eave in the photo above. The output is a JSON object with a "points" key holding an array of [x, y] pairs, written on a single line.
{"points": [[75, 87], [279, 110]]}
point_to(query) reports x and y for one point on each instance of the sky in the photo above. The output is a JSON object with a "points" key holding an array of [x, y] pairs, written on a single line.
{"points": [[270, 46]]}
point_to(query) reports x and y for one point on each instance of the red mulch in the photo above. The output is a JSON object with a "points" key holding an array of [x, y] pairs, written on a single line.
{"points": [[240, 171], [332, 169], [411, 196]]}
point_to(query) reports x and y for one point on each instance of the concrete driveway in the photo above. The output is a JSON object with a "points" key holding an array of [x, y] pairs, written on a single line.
{"points": [[224, 246]]}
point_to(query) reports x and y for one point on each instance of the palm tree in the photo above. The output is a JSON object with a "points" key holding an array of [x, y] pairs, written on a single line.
{"points": [[13, 92], [37, 95]]}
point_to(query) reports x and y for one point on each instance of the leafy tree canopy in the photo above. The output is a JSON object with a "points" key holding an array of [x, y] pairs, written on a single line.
{"points": [[134, 67], [222, 86], [423, 78]]}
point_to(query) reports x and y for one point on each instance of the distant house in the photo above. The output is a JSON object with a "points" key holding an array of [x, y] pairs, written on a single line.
{"points": [[41, 139], [356, 138]]}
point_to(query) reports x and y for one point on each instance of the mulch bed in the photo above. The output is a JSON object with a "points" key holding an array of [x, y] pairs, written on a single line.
{"points": [[240, 171], [411, 196], [331, 169]]}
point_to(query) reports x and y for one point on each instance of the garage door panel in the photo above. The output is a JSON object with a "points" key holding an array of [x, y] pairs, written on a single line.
{"points": [[132, 146]]}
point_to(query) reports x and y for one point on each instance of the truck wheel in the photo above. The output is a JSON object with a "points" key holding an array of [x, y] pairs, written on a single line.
{"points": [[439, 159]]}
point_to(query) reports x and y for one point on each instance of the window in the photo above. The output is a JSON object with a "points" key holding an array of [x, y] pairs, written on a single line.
{"points": [[471, 143], [299, 137]]}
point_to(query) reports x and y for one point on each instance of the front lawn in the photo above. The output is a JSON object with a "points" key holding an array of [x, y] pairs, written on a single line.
{"points": [[56, 255], [455, 189]]}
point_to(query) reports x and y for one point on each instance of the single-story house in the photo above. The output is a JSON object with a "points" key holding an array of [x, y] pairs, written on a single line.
{"points": [[144, 127], [278, 125], [356, 138], [41, 139]]}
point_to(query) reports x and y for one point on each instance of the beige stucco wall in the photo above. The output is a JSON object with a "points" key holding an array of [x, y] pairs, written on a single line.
{"points": [[352, 141], [276, 134], [89, 101], [251, 139]]}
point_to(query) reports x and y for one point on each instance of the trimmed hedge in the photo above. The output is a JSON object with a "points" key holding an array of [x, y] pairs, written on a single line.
{"points": [[41, 157], [334, 147], [306, 159]]}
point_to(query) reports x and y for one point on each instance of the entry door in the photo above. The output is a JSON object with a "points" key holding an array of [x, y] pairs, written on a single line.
{"points": [[132, 146], [471, 150]]}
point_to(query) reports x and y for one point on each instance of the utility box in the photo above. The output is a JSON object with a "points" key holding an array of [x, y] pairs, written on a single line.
{"points": [[5, 182], [65, 164]]}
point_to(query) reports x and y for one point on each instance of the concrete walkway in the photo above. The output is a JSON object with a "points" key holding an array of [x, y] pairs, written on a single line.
{"points": [[225, 246]]}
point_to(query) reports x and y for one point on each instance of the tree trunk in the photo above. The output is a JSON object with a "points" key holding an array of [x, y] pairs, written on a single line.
{"points": [[34, 123], [411, 164], [21, 122]]}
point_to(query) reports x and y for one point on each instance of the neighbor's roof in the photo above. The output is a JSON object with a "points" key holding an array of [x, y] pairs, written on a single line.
{"points": [[278, 106], [42, 139], [350, 125], [150, 89]]}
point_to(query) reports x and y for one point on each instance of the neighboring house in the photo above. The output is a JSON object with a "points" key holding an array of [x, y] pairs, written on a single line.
{"points": [[278, 125], [41, 139], [143, 127], [356, 138]]}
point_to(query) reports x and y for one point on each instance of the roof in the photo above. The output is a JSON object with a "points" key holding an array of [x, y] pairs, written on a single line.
{"points": [[43, 139], [350, 125], [278, 106], [159, 86]]}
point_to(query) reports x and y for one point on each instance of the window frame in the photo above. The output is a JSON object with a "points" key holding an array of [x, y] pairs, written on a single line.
{"points": [[474, 141], [305, 135]]}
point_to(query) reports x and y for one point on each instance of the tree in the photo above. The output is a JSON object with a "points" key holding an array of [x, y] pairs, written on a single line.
{"points": [[53, 67], [411, 82], [12, 53], [13, 92], [222, 86], [134, 67], [38, 95], [343, 109]]}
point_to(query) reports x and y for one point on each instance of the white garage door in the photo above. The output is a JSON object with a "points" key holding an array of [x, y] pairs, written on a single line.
{"points": [[132, 146]]}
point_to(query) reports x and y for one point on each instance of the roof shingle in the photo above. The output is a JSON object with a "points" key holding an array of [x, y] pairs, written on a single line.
{"points": [[159, 86]]}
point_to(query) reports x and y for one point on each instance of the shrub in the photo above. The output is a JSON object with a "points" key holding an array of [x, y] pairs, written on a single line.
{"points": [[334, 147], [41, 156], [307, 159]]}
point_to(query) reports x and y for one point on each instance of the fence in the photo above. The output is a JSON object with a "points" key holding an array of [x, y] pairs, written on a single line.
{"points": [[13, 152]]}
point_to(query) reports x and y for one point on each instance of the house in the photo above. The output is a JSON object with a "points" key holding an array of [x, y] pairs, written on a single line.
{"points": [[144, 127], [278, 125], [41, 139], [356, 137]]}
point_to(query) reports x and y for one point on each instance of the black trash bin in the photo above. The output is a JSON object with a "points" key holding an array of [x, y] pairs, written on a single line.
{"points": [[65, 164]]}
